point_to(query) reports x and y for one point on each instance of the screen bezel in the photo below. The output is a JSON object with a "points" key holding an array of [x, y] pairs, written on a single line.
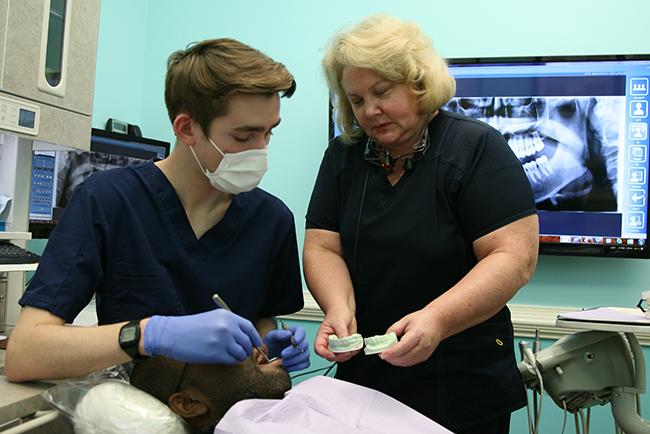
{"points": [[568, 249], [125, 138]]}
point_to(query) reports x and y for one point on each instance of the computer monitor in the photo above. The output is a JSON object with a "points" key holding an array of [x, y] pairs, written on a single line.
{"points": [[55, 174], [579, 126]]}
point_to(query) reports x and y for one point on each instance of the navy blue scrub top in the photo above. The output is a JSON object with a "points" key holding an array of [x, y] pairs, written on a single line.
{"points": [[125, 236]]}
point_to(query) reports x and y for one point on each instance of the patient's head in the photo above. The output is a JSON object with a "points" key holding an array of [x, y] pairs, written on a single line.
{"points": [[202, 394]]}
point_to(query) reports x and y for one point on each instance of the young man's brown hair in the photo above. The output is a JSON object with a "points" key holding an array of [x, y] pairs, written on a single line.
{"points": [[201, 78]]}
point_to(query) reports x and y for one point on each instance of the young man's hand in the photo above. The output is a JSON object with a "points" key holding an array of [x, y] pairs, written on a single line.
{"points": [[216, 336], [294, 358]]}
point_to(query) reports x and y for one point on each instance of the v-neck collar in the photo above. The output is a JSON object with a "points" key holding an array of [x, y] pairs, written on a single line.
{"points": [[382, 184], [215, 238]]}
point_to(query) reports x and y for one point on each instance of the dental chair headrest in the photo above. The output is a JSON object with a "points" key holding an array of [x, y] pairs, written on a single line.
{"points": [[116, 407]]}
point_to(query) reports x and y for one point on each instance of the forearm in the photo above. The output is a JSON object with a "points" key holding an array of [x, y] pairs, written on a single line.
{"points": [[42, 351], [328, 280], [481, 293]]}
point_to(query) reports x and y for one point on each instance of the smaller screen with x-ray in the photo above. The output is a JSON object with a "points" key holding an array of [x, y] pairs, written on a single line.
{"points": [[56, 174]]}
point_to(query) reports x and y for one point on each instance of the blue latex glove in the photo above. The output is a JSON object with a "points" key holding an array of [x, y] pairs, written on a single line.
{"points": [[216, 336], [279, 344]]}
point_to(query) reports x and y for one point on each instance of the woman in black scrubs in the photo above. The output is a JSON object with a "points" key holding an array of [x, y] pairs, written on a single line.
{"points": [[422, 223]]}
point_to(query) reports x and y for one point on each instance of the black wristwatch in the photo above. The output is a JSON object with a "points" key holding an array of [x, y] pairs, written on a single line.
{"points": [[130, 340]]}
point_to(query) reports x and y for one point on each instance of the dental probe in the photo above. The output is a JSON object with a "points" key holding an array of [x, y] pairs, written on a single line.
{"points": [[222, 304], [284, 327]]}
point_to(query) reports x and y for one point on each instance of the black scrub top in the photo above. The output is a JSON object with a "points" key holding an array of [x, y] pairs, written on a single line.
{"points": [[125, 237], [406, 244]]}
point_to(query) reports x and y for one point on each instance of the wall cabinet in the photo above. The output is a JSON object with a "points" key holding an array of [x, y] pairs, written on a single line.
{"points": [[49, 49]]}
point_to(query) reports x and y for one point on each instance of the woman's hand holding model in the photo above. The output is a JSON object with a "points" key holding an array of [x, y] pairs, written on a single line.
{"points": [[419, 334], [341, 323]]}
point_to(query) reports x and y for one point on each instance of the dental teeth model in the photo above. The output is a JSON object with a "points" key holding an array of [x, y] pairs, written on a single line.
{"points": [[379, 343], [342, 345]]}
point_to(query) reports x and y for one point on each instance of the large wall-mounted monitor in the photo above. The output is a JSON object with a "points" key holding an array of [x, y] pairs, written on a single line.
{"points": [[55, 174], [579, 126]]}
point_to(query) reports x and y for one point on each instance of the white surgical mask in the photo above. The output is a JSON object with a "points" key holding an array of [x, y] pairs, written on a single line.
{"points": [[238, 172]]}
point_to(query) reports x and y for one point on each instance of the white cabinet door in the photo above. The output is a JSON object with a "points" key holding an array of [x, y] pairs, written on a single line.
{"points": [[50, 51]]}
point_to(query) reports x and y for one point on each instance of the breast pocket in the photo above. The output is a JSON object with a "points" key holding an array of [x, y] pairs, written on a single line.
{"points": [[137, 291]]}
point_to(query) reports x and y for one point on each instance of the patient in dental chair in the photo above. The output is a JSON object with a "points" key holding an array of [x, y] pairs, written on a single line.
{"points": [[256, 397]]}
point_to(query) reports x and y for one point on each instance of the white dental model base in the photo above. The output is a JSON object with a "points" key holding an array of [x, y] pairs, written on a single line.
{"points": [[348, 343], [379, 343]]}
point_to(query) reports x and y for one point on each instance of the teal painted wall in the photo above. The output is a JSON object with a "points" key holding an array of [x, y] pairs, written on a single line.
{"points": [[133, 48], [136, 38], [120, 72]]}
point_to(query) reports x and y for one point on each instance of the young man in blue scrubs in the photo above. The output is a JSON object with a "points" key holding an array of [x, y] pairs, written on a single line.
{"points": [[154, 242]]}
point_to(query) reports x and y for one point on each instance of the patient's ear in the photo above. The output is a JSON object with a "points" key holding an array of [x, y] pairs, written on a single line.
{"points": [[189, 403]]}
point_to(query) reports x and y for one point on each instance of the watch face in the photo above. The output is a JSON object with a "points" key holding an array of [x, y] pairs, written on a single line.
{"points": [[128, 333], [129, 339]]}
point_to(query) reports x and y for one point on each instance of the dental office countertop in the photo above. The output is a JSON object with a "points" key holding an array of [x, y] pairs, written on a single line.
{"points": [[20, 399]]}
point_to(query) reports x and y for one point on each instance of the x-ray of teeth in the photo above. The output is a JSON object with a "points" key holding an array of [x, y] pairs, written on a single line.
{"points": [[75, 166], [568, 146]]}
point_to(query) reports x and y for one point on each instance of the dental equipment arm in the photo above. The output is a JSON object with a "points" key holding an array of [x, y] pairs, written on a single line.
{"points": [[591, 368]]}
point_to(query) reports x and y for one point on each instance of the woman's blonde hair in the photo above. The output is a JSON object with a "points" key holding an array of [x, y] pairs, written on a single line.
{"points": [[397, 51], [201, 78]]}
